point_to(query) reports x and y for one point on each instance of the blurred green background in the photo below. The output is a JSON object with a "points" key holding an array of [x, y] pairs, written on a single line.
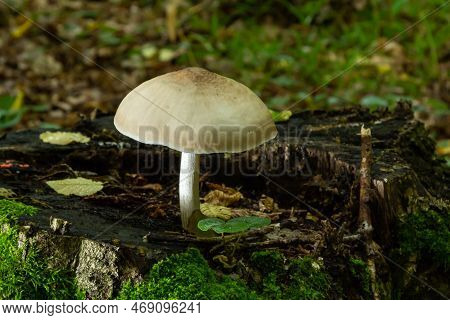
{"points": [[283, 50]]}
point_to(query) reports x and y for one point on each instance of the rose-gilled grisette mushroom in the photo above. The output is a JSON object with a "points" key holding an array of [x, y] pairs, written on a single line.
{"points": [[194, 111]]}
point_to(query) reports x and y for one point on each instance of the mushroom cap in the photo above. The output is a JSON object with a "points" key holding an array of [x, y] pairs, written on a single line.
{"points": [[197, 111]]}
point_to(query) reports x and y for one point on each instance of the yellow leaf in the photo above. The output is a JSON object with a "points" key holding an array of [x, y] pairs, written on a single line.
{"points": [[166, 55], [63, 138], [224, 213], [278, 116], [383, 68], [267, 204], [19, 31], [18, 101], [443, 150], [221, 198], [79, 186], [213, 211], [6, 193]]}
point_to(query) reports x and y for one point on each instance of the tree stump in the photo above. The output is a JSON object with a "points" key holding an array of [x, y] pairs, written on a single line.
{"points": [[311, 171]]}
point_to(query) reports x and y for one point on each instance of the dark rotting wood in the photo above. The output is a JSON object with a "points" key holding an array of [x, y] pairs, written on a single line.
{"points": [[320, 153]]}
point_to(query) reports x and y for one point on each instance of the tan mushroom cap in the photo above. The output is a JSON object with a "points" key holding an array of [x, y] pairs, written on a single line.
{"points": [[195, 110]]}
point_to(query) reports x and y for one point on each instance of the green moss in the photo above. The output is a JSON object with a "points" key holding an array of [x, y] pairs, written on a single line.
{"points": [[360, 274], [298, 279], [11, 210], [27, 276], [271, 287], [185, 276], [426, 234], [24, 274], [268, 261], [307, 280]]}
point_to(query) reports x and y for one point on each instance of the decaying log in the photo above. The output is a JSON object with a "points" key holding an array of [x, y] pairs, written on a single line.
{"points": [[113, 236]]}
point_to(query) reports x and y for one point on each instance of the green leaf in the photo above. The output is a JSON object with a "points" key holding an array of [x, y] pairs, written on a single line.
{"points": [[47, 125], [373, 102], [108, 37], [234, 225], [79, 186], [209, 223], [279, 116], [6, 101], [39, 107], [10, 118]]}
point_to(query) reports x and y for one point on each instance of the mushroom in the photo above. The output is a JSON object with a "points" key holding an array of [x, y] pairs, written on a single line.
{"points": [[194, 111]]}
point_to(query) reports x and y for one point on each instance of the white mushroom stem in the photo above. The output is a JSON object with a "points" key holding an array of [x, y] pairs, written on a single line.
{"points": [[189, 194]]}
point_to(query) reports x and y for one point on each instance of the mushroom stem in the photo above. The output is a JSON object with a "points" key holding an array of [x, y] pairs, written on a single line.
{"points": [[189, 194]]}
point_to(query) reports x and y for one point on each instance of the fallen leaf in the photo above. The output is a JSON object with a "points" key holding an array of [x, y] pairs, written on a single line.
{"points": [[310, 217], [79, 186], [443, 148], [215, 211], [18, 101], [221, 198], [6, 193], [63, 138], [279, 116], [227, 262], [166, 55], [373, 102], [267, 204], [234, 225], [209, 223], [151, 186], [148, 51], [20, 30], [222, 195]]}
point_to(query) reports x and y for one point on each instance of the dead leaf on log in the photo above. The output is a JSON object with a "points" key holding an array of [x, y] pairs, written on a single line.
{"points": [[267, 204], [215, 211], [79, 186], [6, 193], [150, 186], [222, 196], [63, 138]]}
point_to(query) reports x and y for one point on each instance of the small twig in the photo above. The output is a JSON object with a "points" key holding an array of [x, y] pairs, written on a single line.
{"points": [[364, 218]]}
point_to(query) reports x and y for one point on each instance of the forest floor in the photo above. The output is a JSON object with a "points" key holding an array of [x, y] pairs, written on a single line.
{"points": [[79, 57]]}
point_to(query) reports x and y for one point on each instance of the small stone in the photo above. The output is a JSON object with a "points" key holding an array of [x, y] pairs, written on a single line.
{"points": [[59, 226]]}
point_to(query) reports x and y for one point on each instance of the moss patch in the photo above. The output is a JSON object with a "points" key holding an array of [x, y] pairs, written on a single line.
{"points": [[426, 234], [11, 210], [360, 275], [300, 279], [23, 274], [186, 276]]}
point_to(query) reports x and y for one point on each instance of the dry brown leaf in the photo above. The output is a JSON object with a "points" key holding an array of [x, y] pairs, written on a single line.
{"points": [[222, 196], [224, 213], [151, 186], [267, 204]]}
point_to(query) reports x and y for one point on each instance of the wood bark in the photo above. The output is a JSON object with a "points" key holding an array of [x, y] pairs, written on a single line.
{"points": [[120, 232]]}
